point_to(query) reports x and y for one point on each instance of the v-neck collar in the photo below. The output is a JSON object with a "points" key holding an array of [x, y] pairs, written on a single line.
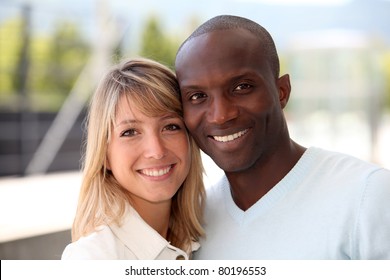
{"points": [[288, 183]]}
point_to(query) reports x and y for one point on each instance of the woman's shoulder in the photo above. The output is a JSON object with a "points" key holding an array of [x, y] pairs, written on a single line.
{"points": [[97, 245]]}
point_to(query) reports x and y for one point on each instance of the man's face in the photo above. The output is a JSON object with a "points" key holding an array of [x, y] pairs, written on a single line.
{"points": [[230, 97]]}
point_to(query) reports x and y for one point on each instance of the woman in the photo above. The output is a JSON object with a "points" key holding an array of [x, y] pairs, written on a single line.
{"points": [[142, 191]]}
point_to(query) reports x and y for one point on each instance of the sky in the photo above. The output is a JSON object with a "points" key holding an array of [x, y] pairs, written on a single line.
{"points": [[280, 17], [298, 2]]}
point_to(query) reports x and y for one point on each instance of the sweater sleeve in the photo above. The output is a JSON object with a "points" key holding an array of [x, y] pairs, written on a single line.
{"points": [[372, 234]]}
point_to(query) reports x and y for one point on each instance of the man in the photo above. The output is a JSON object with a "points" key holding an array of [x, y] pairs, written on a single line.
{"points": [[278, 199]]}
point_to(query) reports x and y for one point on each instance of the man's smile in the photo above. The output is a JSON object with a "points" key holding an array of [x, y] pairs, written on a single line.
{"points": [[231, 137]]}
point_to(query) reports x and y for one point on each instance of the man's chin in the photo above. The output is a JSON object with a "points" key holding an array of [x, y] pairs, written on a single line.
{"points": [[230, 164]]}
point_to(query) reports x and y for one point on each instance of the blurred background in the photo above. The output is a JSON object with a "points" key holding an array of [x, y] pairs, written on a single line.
{"points": [[52, 54]]}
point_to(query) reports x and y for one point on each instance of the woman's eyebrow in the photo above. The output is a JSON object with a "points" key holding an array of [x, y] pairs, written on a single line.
{"points": [[169, 116], [127, 121]]}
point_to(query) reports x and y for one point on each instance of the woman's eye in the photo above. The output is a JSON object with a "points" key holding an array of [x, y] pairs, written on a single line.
{"points": [[129, 132], [172, 127]]}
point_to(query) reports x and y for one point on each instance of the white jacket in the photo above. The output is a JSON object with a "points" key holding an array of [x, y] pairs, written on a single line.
{"points": [[133, 240]]}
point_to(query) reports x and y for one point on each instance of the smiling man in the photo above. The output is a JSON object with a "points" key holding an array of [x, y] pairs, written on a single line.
{"points": [[278, 199]]}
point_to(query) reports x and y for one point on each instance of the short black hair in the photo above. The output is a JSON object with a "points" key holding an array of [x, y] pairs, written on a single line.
{"points": [[225, 22]]}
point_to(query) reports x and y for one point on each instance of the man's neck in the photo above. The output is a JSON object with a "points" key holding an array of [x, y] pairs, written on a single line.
{"points": [[250, 185]]}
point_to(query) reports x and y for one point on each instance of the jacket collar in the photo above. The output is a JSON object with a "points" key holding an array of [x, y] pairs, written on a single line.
{"points": [[142, 239], [138, 236]]}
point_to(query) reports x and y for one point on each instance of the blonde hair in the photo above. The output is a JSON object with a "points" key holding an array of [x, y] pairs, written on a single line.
{"points": [[153, 88]]}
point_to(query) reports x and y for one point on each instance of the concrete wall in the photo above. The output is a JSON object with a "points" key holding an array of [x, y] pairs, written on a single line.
{"points": [[42, 247], [36, 214]]}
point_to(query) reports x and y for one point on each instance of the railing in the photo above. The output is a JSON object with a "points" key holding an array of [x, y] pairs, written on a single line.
{"points": [[21, 134]]}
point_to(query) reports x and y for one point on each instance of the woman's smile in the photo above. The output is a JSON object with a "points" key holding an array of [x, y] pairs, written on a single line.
{"points": [[156, 171]]}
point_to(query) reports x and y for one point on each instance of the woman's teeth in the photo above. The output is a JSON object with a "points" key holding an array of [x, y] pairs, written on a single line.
{"points": [[156, 172]]}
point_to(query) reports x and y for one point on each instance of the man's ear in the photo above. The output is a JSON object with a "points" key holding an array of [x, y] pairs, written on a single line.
{"points": [[284, 88]]}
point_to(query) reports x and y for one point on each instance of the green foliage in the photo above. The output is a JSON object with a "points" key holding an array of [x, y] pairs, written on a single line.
{"points": [[62, 57], [387, 80], [10, 44], [52, 63], [157, 45]]}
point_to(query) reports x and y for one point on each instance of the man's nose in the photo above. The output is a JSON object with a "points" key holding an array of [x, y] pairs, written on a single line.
{"points": [[222, 110]]}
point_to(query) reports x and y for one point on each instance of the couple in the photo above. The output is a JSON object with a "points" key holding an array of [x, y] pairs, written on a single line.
{"points": [[142, 194]]}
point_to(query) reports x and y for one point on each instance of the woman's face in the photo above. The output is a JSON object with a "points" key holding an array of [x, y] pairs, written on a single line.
{"points": [[148, 156]]}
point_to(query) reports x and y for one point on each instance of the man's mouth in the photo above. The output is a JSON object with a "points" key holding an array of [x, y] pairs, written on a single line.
{"points": [[231, 137], [156, 172]]}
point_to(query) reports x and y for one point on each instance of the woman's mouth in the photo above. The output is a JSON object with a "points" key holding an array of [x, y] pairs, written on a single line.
{"points": [[156, 172]]}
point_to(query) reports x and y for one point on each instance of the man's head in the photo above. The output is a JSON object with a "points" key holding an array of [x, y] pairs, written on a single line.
{"points": [[226, 22], [228, 71]]}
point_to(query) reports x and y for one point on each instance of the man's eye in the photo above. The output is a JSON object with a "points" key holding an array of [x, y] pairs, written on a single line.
{"points": [[242, 87], [197, 96], [129, 132]]}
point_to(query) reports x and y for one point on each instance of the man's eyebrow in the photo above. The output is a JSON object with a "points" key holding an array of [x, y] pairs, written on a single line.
{"points": [[238, 76], [244, 74], [190, 86]]}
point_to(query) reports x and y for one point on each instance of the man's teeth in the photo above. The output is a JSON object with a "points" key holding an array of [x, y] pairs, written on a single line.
{"points": [[231, 137], [156, 172]]}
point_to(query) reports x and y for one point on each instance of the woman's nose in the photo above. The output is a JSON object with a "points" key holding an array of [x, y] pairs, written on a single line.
{"points": [[154, 147]]}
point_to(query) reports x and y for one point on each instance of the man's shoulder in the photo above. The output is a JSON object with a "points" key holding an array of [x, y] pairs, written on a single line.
{"points": [[343, 160]]}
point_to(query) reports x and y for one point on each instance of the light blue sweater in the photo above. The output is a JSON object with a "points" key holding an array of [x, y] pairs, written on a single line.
{"points": [[329, 206]]}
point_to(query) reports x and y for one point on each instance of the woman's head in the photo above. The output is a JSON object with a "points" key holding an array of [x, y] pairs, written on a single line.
{"points": [[147, 85], [129, 90]]}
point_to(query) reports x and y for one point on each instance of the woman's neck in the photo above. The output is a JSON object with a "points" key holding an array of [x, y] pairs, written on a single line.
{"points": [[155, 215]]}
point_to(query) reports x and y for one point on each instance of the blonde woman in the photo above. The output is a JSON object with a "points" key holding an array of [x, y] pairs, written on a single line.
{"points": [[142, 191]]}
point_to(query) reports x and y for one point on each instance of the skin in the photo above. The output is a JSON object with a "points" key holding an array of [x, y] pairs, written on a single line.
{"points": [[150, 158], [233, 106]]}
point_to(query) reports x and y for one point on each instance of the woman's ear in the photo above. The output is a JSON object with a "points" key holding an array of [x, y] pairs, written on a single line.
{"points": [[107, 164], [284, 88]]}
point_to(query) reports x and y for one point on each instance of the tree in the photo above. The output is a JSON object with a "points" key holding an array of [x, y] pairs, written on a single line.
{"points": [[10, 46], [54, 63], [156, 45], [386, 61], [59, 60]]}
